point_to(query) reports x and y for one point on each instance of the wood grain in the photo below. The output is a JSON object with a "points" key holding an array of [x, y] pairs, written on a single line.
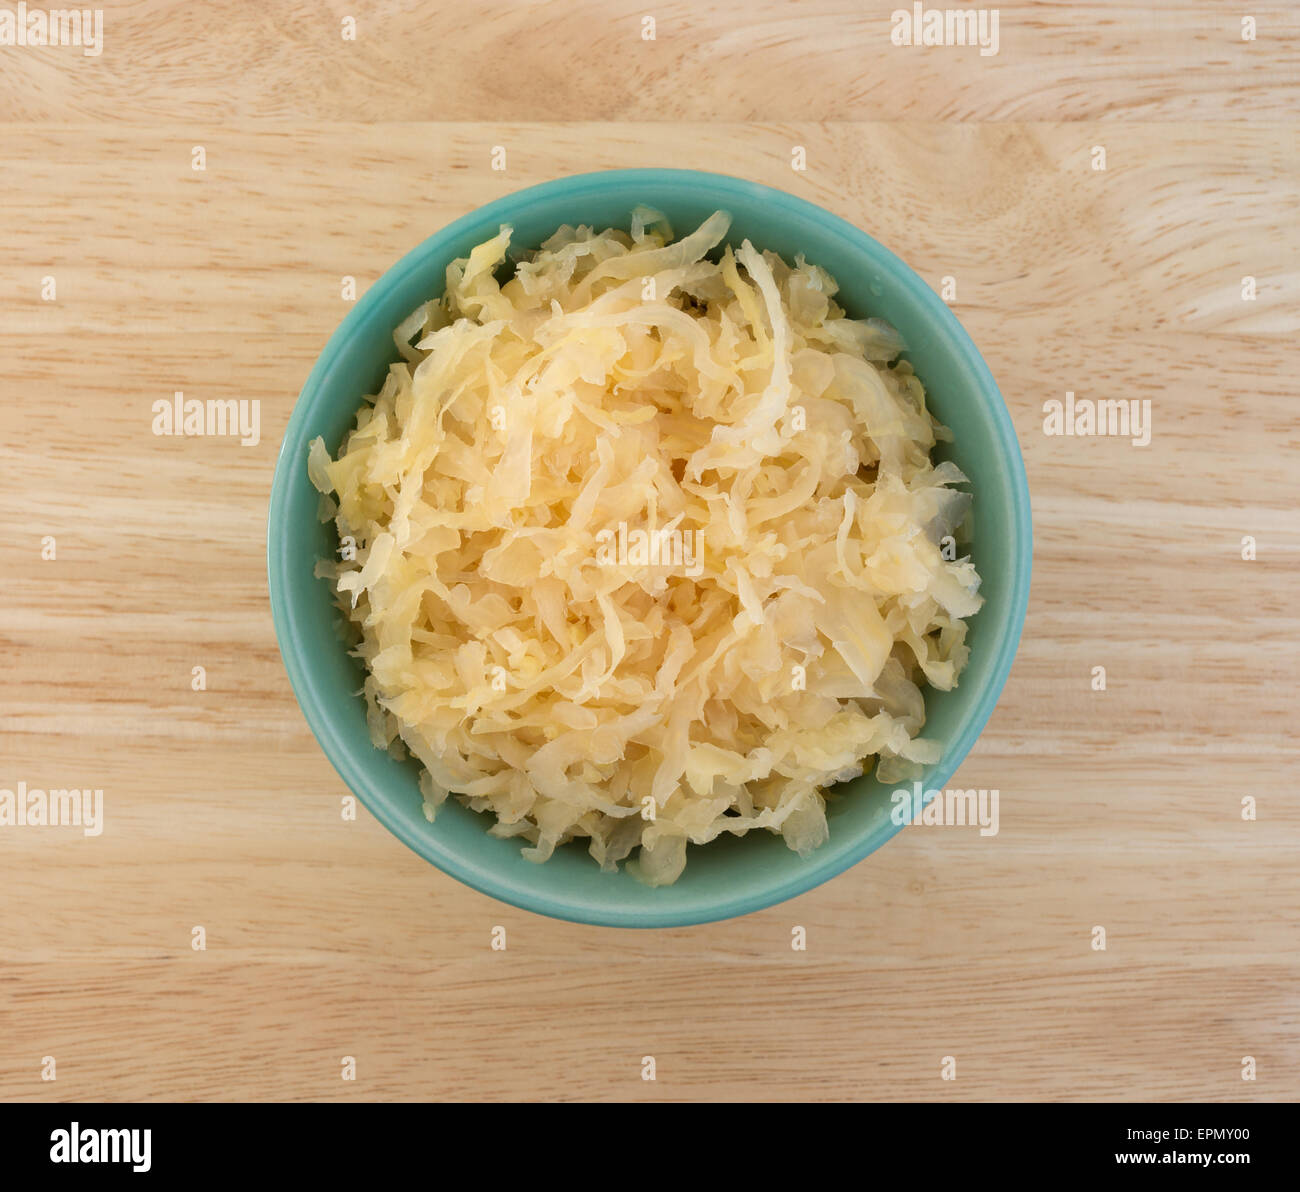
{"points": [[509, 60], [1119, 808]]}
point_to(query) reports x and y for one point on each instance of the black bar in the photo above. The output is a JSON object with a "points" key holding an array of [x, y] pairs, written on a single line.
{"points": [[496, 1141]]}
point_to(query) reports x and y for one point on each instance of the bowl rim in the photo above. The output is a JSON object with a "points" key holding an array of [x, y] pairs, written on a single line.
{"points": [[820, 867]]}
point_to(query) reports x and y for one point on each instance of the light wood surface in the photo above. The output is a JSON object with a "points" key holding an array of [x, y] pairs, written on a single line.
{"points": [[325, 939]]}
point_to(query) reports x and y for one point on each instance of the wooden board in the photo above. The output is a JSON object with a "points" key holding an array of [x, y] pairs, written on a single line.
{"points": [[1120, 809]]}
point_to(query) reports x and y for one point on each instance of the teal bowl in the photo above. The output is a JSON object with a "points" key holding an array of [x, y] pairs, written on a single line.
{"points": [[730, 876]]}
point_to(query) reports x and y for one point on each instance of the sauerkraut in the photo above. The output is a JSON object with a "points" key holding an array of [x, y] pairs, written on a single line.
{"points": [[643, 543]]}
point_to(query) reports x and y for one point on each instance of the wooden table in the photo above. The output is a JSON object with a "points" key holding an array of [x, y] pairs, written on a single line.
{"points": [[327, 158]]}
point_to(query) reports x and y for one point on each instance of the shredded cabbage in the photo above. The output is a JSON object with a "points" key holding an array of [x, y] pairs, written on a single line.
{"points": [[647, 545]]}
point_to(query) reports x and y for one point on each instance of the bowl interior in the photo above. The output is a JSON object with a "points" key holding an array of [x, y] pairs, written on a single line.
{"points": [[730, 876]]}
